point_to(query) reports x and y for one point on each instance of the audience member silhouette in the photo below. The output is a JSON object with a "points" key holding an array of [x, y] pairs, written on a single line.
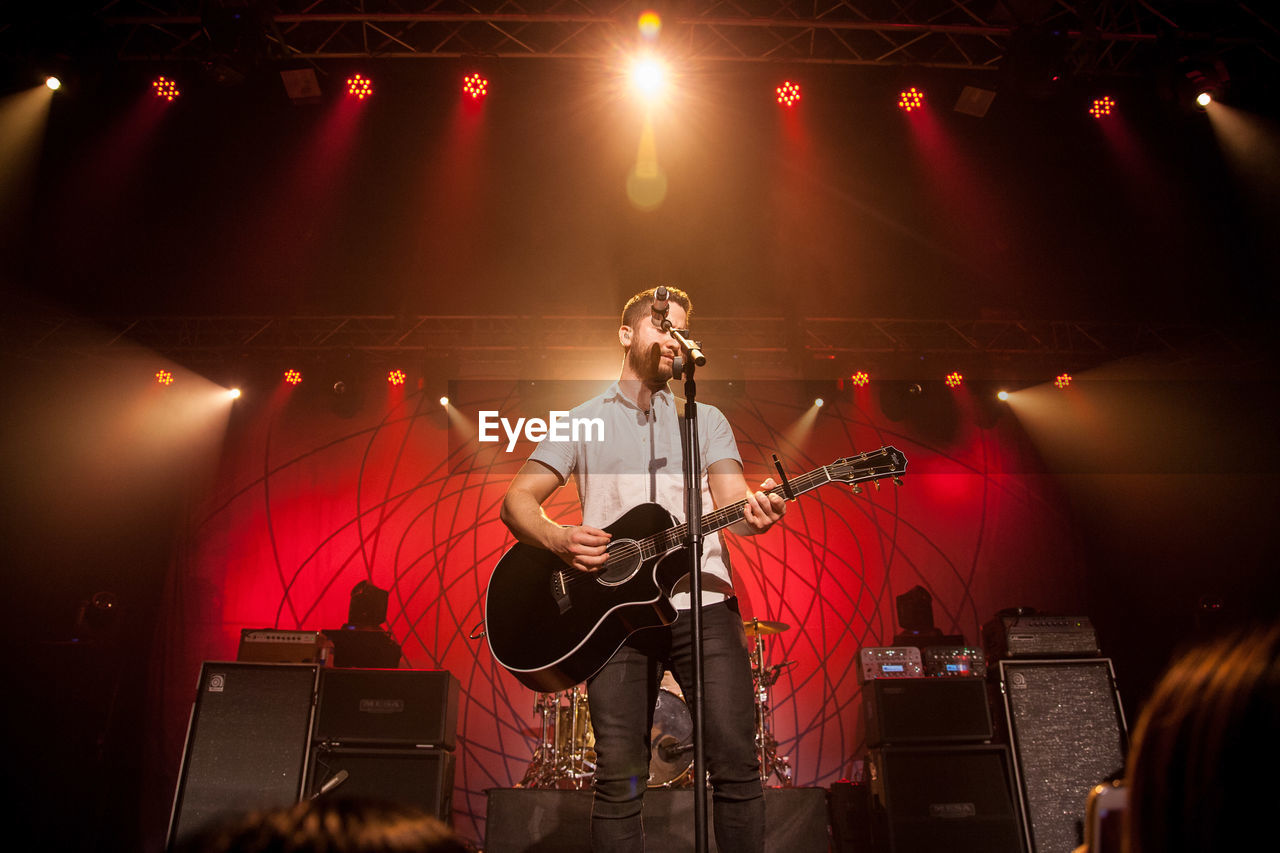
{"points": [[1206, 749]]}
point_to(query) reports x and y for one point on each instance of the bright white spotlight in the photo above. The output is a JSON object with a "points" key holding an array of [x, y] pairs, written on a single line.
{"points": [[819, 402], [1002, 396], [233, 394], [1204, 99], [53, 83], [444, 401], [649, 77]]}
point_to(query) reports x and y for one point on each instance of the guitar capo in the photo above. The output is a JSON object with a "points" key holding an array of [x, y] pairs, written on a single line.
{"points": [[786, 484]]}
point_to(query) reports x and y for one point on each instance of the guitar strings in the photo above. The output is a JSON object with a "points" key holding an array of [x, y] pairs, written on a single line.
{"points": [[675, 537]]}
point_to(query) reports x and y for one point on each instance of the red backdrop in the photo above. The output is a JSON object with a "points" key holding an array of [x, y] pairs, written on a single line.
{"points": [[312, 497]]}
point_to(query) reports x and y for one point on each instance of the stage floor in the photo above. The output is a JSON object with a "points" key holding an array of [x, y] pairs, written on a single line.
{"points": [[525, 821]]}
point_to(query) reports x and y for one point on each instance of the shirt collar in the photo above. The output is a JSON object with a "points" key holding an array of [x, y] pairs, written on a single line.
{"points": [[615, 391]]}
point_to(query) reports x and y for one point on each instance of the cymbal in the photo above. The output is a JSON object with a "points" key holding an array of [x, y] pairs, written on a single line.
{"points": [[762, 628]]}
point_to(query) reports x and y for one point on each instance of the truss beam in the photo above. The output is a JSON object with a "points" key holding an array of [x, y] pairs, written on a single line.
{"points": [[1104, 36]]}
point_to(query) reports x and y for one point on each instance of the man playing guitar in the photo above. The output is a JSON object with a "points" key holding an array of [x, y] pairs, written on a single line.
{"points": [[639, 461]]}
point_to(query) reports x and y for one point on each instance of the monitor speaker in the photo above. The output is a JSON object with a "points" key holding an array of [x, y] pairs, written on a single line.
{"points": [[958, 799], [387, 706], [247, 743], [1067, 731], [926, 710], [421, 777]]}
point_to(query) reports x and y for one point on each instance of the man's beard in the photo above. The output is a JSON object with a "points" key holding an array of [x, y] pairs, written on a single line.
{"points": [[648, 365]]}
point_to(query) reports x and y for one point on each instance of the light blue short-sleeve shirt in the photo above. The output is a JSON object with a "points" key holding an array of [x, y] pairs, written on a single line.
{"points": [[639, 461]]}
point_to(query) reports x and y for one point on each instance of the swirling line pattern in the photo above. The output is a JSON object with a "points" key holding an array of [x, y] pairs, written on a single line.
{"points": [[405, 500]]}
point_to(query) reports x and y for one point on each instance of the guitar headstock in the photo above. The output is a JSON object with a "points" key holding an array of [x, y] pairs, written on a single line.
{"points": [[873, 465]]}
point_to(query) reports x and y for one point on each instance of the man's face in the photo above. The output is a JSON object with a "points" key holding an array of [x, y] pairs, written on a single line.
{"points": [[652, 350]]}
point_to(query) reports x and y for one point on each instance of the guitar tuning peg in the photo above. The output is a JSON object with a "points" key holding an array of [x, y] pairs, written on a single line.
{"points": [[857, 490], [897, 481]]}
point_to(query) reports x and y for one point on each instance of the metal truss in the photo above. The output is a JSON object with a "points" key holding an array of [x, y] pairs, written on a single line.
{"points": [[515, 346], [1056, 36]]}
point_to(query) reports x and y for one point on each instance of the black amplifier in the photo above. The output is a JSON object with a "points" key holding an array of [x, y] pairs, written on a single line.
{"points": [[1038, 636]]}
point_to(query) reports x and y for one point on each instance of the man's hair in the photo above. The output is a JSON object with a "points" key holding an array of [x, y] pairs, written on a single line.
{"points": [[637, 307], [1205, 738], [329, 825]]}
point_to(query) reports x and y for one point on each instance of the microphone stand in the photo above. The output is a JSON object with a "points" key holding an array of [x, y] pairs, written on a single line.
{"points": [[692, 466]]}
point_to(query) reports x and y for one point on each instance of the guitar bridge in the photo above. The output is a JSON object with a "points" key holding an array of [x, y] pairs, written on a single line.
{"points": [[560, 591]]}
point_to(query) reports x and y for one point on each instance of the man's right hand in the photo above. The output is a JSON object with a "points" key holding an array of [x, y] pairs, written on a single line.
{"points": [[581, 547]]}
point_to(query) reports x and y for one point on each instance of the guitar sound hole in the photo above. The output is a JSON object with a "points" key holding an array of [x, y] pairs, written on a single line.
{"points": [[624, 560]]}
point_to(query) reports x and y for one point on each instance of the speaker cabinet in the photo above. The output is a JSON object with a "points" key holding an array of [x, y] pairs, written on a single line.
{"points": [[246, 743], [387, 706], [1068, 733], [957, 799], [926, 710], [421, 777]]}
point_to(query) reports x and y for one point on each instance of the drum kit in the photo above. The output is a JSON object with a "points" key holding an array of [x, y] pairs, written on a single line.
{"points": [[565, 757]]}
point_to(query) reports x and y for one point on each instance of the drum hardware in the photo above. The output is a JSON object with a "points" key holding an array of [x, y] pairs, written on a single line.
{"points": [[565, 757], [763, 677]]}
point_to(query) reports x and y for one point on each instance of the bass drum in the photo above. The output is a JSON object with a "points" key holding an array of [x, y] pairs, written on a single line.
{"points": [[670, 743]]}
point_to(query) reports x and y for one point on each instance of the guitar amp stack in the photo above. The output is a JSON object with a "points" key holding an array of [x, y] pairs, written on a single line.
{"points": [[936, 781], [1061, 717], [271, 734]]}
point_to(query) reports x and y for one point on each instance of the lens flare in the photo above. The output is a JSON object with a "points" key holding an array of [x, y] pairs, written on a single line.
{"points": [[650, 25]]}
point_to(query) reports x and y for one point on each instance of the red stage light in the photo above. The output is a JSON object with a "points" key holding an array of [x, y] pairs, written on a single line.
{"points": [[164, 377], [165, 88], [359, 86], [475, 86], [954, 378], [860, 379], [1063, 380], [1102, 107], [911, 99], [788, 93], [396, 377], [293, 377]]}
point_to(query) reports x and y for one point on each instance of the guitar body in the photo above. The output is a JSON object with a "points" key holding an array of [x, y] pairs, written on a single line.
{"points": [[553, 626]]}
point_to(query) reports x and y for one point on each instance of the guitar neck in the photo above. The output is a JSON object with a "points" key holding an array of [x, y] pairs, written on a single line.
{"points": [[724, 516]]}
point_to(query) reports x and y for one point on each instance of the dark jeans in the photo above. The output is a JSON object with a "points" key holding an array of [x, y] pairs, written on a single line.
{"points": [[622, 698]]}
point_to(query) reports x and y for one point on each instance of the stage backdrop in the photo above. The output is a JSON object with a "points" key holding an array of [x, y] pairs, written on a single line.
{"points": [[317, 492]]}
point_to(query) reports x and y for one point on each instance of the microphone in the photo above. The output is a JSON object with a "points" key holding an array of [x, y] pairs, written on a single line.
{"points": [[338, 779], [670, 748], [660, 307]]}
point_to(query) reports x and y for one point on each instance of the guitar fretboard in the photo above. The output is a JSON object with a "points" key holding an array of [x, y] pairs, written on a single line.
{"points": [[674, 537]]}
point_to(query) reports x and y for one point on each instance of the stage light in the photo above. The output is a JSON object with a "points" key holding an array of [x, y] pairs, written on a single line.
{"points": [[788, 93], [164, 377], [648, 77], [954, 379], [911, 99], [1063, 380], [396, 377], [1102, 107], [293, 377], [1002, 396], [650, 25], [819, 402], [165, 88], [860, 379], [475, 86], [234, 393], [53, 83], [1204, 99], [359, 86], [444, 401]]}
